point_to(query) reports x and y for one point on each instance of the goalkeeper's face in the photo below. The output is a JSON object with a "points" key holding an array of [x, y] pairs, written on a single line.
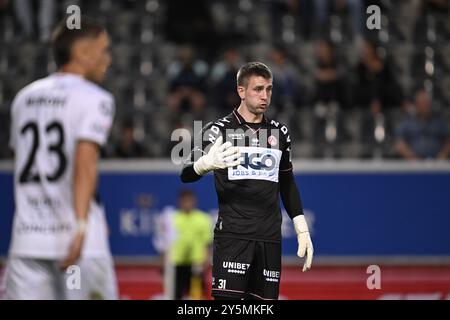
{"points": [[257, 94]]}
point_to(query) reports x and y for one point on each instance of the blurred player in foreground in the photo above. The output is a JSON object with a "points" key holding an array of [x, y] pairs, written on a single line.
{"points": [[249, 178], [58, 125]]}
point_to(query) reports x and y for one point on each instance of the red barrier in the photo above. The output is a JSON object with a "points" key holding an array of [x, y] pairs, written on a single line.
{"points": [[323, 283], [334, 283]]}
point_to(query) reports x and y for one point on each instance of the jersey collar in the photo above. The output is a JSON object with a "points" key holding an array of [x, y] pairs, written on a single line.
{"points": [[240, 119], [69, 76]]}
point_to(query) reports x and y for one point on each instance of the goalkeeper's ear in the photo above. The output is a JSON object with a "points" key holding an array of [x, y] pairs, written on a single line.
{"points": [[241, 92]]}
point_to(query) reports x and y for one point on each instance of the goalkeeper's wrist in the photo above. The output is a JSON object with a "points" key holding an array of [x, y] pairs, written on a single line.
{"points": [[200, 166], [300, 224]]}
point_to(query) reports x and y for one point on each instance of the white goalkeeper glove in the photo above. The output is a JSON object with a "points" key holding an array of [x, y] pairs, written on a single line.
{"points": [[304, 241], [220, 156]]}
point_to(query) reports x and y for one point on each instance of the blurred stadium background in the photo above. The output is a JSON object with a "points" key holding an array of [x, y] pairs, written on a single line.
{"points": [[366, 205]]}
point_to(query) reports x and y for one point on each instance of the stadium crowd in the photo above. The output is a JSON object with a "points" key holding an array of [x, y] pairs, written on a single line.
{"points": [[346, 91]]}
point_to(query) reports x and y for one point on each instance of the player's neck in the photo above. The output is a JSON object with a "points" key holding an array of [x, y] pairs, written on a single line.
{"points": [[73, 68], [248, 116]]}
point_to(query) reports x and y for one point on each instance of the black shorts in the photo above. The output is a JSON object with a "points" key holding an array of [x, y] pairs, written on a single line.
{"points": [[246, 269]]}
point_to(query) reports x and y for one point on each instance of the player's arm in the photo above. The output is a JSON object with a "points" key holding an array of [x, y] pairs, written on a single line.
{"points": [[85, 182], [293, 204], [188, 174], [219, 156], [290, 195], [93, 121], [85, 177]]}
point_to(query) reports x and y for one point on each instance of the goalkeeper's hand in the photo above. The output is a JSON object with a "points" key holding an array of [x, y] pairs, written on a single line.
{"points": [[220, 156], [304, 241]]}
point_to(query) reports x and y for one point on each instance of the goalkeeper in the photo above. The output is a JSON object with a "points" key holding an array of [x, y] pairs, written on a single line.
{"points": [[250, 157]]}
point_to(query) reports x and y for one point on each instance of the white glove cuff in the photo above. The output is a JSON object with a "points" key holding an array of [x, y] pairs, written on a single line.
{"points": [[300, 224], [200, 166]]}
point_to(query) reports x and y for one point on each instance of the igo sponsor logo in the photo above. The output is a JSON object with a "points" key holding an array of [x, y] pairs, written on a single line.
{"points": [[257, 163]]}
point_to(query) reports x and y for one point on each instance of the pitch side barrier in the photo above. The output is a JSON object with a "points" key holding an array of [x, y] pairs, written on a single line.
{"points": [[359, 212]]}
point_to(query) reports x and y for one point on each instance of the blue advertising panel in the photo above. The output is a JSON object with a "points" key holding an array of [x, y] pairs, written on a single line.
{"points": [[350, 214]]}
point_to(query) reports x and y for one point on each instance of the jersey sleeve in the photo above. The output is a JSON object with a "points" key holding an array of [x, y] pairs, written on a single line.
{"points": [[95, 120], [286, 159], [201, 144]]}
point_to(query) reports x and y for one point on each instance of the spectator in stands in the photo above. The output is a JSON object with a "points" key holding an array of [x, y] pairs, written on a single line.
{"points": [[329, 80], [128, 147], [46, 14], [286, 84], [376, 91], [357, 10], [375, 132], [223, 78], [301, 10], [423, 135], [330, 96], [432, 19], [187, 83], [350, 11], [312, 17], [188, 22], [3, 7], [375, 81]]}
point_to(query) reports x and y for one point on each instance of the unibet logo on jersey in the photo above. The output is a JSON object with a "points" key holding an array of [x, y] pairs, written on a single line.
{"points": [[257, 163]]}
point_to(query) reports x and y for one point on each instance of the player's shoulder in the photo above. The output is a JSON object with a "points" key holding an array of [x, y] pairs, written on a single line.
{"points": [[224, 121], [24, 95], [218, 124], [92, 99], [77, 86], [275, 124], [207, 126], [32, 87], [213, 129], [284, 136], [94, 91]]}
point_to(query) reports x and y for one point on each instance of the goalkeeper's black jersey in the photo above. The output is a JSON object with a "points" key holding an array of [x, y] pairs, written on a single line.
{"points": [[248, 194]]}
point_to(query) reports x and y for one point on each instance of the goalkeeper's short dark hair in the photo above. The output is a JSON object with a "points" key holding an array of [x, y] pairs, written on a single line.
{"points": [[63, 38], [252, 69]]}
